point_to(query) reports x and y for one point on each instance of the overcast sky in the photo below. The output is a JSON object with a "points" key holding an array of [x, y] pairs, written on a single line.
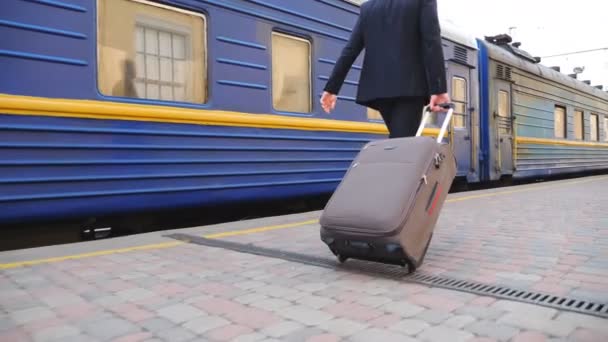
{"points": [[544, 27]]}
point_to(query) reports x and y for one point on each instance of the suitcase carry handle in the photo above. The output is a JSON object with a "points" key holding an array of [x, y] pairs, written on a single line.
{"points": [[425, 116]]}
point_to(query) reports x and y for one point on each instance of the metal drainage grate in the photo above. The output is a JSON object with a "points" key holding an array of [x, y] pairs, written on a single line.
{"points": [[498, 291], [397, 272]]}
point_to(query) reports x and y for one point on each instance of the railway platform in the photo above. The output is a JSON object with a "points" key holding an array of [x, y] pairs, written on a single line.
{"points": [[524, 263]]}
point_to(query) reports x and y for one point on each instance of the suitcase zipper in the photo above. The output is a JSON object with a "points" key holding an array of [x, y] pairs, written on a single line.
{"points": [[407, 214], [424, 180]]}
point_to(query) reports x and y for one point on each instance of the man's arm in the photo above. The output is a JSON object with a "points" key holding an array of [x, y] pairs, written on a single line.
{"points": [[350, 52], [432, 50]]}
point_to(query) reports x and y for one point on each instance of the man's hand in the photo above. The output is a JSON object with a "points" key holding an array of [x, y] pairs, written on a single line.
{"points": [[328, 101], [436, 100]]}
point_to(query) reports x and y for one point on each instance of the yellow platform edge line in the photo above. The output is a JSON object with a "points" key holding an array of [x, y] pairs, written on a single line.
{"points": [[264, 229], [91, 254], [532, 188], [259, 230]]}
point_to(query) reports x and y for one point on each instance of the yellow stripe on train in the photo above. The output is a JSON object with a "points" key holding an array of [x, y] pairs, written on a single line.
{"points": [[559, 142], [25, 105]]}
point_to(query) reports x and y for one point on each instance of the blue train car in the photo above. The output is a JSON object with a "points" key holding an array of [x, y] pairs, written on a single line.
{"points": [[113, 107], [117, 106]]}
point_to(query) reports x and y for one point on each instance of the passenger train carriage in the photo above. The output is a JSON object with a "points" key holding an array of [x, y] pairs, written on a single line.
{"points": [[113, 107]]}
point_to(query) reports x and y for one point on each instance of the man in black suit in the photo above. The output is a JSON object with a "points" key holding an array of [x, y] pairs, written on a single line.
{"points": [[403, 64]]}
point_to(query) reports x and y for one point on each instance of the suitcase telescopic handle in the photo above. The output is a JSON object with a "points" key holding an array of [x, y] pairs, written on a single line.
{"points": [[426, 112]]}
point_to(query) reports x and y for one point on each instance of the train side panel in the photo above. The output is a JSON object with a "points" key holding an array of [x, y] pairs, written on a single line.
{"points": [[62, 167], [48, 49], [74, 147], [463, 87], [538, 105], [49, 44], [541, 122]]}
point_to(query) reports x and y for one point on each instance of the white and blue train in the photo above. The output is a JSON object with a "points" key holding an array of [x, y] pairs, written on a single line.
{"points": [[113, 107]]}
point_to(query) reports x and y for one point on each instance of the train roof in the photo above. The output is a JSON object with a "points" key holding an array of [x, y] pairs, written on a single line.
{"points": [[500, 49], [452, 32]]}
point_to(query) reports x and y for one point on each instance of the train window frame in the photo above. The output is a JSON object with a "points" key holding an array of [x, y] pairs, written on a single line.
{"points": [[605, 128], [507, 104], [597, 127], [581, 123], [374, 115], [197, 37], [463, 115], [565, 122], [309, 42]]}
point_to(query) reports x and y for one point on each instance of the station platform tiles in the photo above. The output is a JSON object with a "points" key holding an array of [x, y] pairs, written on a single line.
{"points": [[525, 263]]}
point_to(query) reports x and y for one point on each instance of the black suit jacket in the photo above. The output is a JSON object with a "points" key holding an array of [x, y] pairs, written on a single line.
{"points": [[403, 51]]}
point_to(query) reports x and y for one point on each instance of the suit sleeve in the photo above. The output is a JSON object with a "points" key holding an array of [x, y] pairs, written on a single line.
{"points": [[432, 50], [350, 52]]}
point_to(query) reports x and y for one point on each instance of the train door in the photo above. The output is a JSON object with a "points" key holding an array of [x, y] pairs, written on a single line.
{"points": [[459, 86], [503, 120]]}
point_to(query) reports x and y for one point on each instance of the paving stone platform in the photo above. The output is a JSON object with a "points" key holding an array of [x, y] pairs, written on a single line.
{"points": [[551, 238]]}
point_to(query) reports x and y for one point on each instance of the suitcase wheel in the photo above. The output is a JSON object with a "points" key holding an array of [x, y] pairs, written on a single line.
{"points": [[411, 268], [342, 259], [426, 248]]}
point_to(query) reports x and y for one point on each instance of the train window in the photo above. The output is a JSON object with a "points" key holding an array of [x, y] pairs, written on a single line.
{"points": [[153, 52], [503, 104], [579, 124], [459, 98], [594, 126], [291, 73], [373, 114], [560, 122]]}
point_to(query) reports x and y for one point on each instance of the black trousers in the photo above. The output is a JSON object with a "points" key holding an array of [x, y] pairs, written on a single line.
{"points": [[402, 115]]}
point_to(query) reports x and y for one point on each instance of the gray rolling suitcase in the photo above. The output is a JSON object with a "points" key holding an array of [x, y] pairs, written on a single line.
{"points": [[386, 207]]}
